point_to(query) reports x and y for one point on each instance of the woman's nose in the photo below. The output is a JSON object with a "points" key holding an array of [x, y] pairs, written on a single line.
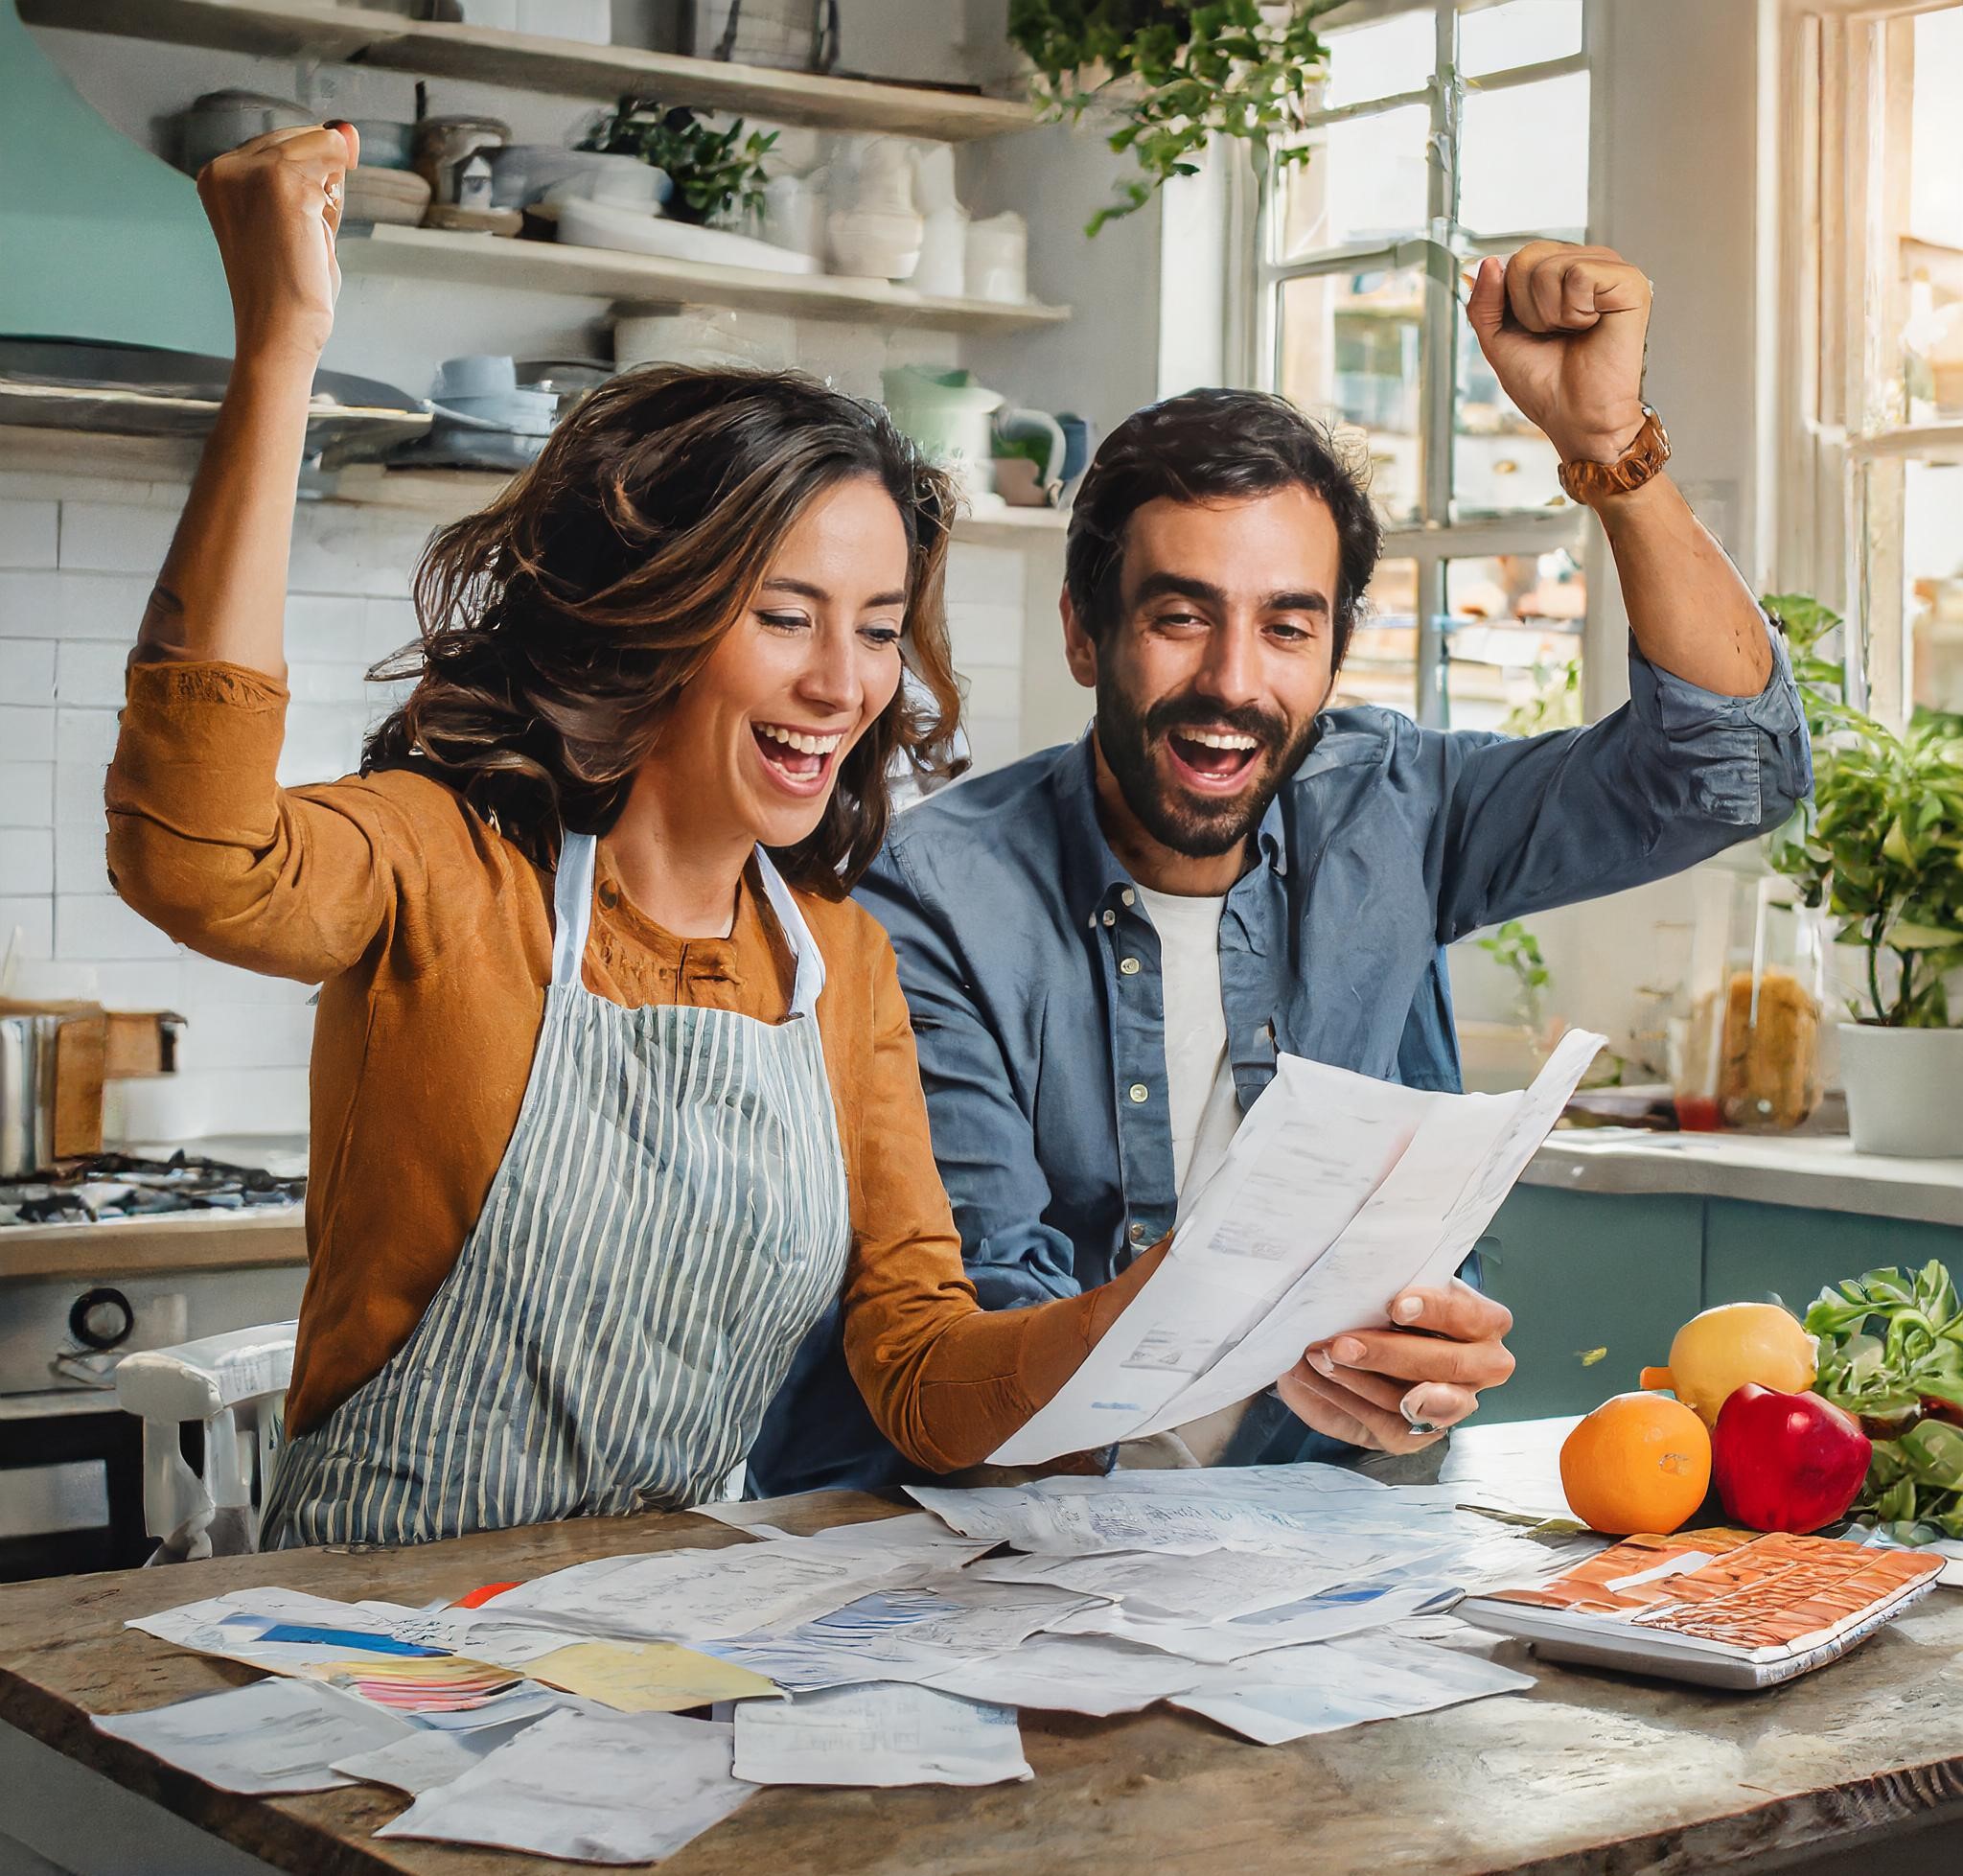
{"points": [[830, 679]]}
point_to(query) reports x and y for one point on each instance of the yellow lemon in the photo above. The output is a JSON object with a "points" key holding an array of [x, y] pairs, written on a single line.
{"points": [[1719, 1351]]}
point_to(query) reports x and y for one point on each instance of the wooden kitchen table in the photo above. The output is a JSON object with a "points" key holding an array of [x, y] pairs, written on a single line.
{"points": [[1860, 1766]]}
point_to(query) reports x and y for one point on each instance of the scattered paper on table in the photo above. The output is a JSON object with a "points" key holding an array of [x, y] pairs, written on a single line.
{"points": [[1071, 1674], [275, 1735], [1286, 1696], [419, 1761], [880, 1734], [1338, 1192], [647, 1676], [695, 1595], [441, 1683], [627, 1788]]}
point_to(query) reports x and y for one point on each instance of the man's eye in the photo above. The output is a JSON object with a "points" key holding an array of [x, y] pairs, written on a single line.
{"points": [[785, 621], [1289, 634], [1180, 618]]}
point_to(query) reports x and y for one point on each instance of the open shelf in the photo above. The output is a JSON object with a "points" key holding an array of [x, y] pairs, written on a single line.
{"points": [[600, 274], [290, 29]]}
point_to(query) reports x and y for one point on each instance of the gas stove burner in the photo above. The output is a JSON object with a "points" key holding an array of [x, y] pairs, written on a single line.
{"points": [[120, 1186]]}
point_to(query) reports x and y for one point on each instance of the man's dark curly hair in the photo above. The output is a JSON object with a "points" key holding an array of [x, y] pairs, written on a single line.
{"points": [[1212, 446]]}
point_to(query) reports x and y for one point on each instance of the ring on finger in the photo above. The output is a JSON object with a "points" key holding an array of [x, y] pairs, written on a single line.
{"points": [[332, 190]]}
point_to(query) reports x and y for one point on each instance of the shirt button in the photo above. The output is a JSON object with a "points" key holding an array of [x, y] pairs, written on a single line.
{"points": [[1137, 1234], [1127, 967], [1137, 1091], [1130, 897], [1110, 918]]}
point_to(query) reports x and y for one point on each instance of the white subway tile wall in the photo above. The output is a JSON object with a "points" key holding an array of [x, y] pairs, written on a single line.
{"points": [[75, 576]]}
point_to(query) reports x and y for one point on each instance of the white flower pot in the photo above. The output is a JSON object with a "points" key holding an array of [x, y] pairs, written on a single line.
{"points": [[1904, 1090]]}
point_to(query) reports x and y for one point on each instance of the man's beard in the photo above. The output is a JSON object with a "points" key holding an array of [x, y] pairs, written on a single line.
{"points": [[1198, 826]]}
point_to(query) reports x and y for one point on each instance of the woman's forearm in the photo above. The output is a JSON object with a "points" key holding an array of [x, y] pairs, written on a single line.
{"points": [[223, 592]]}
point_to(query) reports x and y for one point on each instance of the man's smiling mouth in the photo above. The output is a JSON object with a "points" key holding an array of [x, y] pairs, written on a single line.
{"points": [[1212, 761]]}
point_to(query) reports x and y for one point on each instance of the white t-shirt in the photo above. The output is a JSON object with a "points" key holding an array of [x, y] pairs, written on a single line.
{"points": [[1204, 1110]]}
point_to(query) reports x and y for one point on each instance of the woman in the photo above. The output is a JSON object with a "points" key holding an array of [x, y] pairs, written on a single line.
{"points": [[611, 1088]]}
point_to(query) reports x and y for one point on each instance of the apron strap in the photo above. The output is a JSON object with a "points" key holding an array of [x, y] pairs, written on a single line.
{"points": [[803, 947], [572, 906], [572, 909]]}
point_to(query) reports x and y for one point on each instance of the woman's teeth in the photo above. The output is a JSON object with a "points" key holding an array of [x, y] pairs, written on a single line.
{"points": [[799, 740]]}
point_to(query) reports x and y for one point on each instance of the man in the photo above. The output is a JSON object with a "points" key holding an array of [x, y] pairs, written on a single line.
{"points": [[1103, 946]]}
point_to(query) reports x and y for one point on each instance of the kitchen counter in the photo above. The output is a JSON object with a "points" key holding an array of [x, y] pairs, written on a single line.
{"points": [[1816, 1171], [1857, 1768]]}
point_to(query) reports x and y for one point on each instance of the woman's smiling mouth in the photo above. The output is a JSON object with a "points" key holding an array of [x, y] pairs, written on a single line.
{"points": [[799, 761]]}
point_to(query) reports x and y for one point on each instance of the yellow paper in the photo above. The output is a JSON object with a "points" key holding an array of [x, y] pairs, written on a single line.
{"points": [[655, 1677]]}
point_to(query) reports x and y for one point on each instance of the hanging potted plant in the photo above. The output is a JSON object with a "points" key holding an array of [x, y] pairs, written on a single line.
{"points": [[1176, 73], [1881, 847]]}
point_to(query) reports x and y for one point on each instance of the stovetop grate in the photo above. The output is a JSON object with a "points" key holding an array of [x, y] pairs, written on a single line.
{"points": [[122, 1186]]}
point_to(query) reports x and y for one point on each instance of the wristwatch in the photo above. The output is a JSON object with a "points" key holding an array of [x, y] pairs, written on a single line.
{"points": [[1590, 482]]}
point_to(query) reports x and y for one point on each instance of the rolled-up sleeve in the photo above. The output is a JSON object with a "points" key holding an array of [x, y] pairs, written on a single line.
{"points": [[1676, 775]]}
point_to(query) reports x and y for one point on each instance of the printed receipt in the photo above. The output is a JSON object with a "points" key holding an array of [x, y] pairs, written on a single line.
{"points": [[1337, 1192]]}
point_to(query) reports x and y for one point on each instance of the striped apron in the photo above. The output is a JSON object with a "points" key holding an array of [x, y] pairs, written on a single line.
{"points": [[668, 1221]]}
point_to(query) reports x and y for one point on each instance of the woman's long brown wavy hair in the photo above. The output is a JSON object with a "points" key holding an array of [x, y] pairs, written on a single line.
{"points": [[559, 624]]}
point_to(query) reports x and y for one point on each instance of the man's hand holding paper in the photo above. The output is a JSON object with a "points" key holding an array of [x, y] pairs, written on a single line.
{"points": [[1400, 1389]]}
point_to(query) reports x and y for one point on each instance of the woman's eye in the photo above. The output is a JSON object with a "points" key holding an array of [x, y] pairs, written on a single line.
{"points": [[785, 621], [880, 635]]}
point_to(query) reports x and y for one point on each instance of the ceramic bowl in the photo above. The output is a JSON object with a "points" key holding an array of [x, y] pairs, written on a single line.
{"points": [[524, 414], [385, 143]]}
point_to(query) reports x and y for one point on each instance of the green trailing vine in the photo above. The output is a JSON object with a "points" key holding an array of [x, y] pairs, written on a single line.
{"points": [[1177, 74], [717, 174]]}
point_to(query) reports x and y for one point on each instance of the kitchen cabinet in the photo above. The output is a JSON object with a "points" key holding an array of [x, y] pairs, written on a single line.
{"points": [[1583, 1270]]}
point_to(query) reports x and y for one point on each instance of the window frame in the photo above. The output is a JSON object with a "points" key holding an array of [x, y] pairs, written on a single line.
{"points": [[1842, 461], [1437, 534]]}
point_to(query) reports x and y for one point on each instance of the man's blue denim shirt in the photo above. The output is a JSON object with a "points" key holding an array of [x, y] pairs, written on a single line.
{"points": [[1033, 977]]}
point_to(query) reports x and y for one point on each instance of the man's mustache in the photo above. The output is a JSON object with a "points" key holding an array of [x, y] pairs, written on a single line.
{"points": [[1174, 714]]}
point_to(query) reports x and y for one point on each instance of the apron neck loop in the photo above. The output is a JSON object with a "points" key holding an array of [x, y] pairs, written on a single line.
{"points": [[573, 905], [572, 912]]}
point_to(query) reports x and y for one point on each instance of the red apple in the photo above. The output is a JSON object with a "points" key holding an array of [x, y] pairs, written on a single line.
{"points": [[1786, 1462]]}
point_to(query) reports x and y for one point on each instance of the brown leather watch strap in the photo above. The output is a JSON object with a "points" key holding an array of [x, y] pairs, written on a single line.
{"points": [[1590, 482]]}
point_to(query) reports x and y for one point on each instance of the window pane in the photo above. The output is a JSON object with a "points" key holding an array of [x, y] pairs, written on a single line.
{"points": [[1384, 61], [1349, 355], [1514, 642], [1365, 177], [1524, 159], [1932, 563], [1935, 201], [1518, 33], [1381, 666]]}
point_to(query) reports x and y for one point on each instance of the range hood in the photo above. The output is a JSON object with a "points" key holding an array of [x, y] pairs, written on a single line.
{"points": [[113, 310]]}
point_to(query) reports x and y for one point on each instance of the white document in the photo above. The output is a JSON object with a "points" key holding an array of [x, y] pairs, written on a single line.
{"points": [[1217, 1586], [1338, 1193], [1311, 1510], [903, 1635], [421, 1762], [1072, 1674], [1334, 1684], [696, 1595], [276, 1735], [884, 1734], [628, 1788], [232, 1624]]}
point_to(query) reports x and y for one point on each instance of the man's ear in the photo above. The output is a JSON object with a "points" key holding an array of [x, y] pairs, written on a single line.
{"points": [[1080, 648]]}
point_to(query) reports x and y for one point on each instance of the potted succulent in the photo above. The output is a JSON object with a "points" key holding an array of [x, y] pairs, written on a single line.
{"points": [[1881, 847], [1176, 73]]}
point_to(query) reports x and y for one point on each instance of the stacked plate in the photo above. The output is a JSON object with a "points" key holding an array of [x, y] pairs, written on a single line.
{"points": [[379, 195]]}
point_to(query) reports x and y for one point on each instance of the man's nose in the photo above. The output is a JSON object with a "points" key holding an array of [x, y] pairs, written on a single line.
{"points": [[1228, 675]]}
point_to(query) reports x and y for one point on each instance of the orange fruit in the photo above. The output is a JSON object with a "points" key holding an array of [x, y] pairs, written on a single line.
{"points": [[1714, 1353], [1640, 1462]]}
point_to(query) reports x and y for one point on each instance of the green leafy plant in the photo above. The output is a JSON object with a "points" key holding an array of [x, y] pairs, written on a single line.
{"points": [[1177, 72], [717, 174], [1880, 843], [1555, 702], [1890, 1352], [1517, 951]]}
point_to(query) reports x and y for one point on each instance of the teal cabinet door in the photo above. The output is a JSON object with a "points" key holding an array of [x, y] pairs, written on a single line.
{"points": [[1755, 1253], [1583, 1271]]}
